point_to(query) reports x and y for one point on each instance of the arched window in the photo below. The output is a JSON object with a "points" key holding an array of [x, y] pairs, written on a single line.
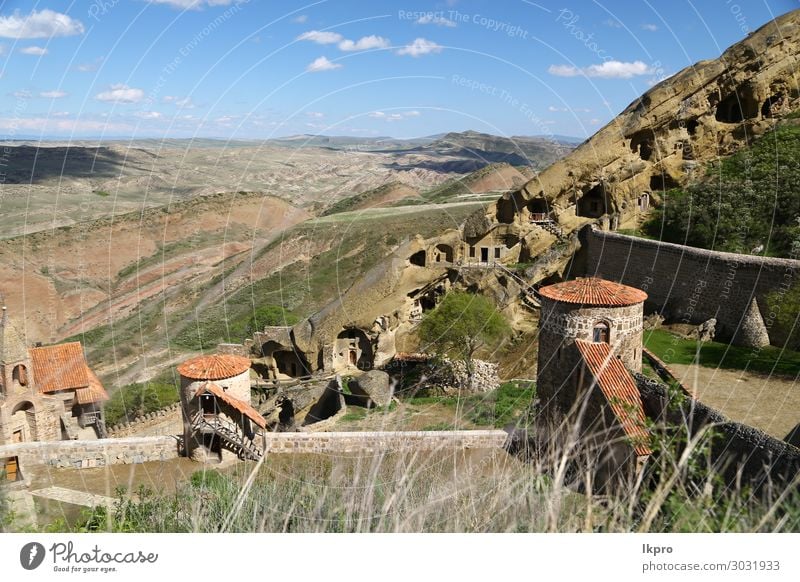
{"points": [[20, 374], [600, 333]]}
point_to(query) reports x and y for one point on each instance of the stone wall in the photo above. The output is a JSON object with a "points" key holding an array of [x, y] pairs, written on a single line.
{"points": [[145, 421], [126, 451], [96, 453], [383, 441], [691, 285]]}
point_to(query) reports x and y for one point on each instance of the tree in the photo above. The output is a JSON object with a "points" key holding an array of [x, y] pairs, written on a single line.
{"points": [[269, 315], [462, 324]]}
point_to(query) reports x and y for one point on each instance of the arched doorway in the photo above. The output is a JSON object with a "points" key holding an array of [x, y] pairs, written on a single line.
{"points": [[23, 422], [354, 349], [443, 254]]}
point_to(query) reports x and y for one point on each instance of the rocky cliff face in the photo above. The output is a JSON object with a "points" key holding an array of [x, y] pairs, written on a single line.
{"points": [[666, 136]]}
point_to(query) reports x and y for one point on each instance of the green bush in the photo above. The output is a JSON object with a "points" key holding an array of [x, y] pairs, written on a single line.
{"points": [[135, 400], [786, 307], [749, 199]]}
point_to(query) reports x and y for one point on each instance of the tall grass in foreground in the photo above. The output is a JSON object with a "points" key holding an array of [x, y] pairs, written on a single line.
{"points": [[446, 491]]}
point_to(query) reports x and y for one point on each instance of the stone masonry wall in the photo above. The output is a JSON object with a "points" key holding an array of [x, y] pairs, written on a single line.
{"points": [[691, 285], [97, 453], [383, 441]]}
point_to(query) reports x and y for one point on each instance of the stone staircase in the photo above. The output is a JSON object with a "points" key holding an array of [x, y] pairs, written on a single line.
{"points": [[553, 228], [527, 293], [231, 435], [70, 427]]}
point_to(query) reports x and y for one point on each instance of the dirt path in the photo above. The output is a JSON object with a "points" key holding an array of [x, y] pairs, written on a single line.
{"points": [[771, 403]]}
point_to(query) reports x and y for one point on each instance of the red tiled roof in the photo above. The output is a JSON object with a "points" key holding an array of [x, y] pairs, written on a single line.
{"points": [[593, 291], [92, 393], [234, 402], [59, 367], [214, 367], [619, 389]]}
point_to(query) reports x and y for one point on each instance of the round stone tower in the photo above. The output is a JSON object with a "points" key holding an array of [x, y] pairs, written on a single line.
{"points": [[592, 310], [228, 372]]}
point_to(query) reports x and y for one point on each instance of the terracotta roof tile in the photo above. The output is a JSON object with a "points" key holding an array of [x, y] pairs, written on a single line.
{"points": [[214, 367], [593, 291], [618, 387], [234, 402], [59, 367], [92, 393]]}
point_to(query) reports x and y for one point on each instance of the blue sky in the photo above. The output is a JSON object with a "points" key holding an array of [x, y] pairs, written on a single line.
{"points": [[259, 69]]}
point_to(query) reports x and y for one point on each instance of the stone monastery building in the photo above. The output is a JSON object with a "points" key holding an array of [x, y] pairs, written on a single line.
{"points": [[46, 392]]}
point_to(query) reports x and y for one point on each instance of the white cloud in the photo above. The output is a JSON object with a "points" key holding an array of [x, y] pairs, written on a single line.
{"points": [[606, 70], [36, 51], [53, 94], [315, 114], [148, 114], [393, 116], [182, 102], [39, 24], [612, 23], [650, 27], [437, 20], [195, 4], [120, 93], [90, 67], [554, 109], [321, 37], [300, 19], [322, 64], [23, 94], [419, 47], [364, 43]]}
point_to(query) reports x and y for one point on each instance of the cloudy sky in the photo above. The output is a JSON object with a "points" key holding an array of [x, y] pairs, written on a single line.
{"points": [[258, 69]]}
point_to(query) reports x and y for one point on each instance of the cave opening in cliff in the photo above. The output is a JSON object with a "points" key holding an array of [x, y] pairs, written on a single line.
{"points": [[418, 259], [443, 253], [663, 181], [538, 210], [354, 349], [771, 104], [506, 209], [594, 203], [642, 143], [291, 364], [737, 107]]}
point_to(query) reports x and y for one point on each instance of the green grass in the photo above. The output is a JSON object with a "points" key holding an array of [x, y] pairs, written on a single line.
{"points": [[673, 349], [354, 414], [134, 400], [102, 193], [636, 232]]}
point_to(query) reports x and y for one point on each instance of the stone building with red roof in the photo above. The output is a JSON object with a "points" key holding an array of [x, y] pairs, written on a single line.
{"points": [[590, 341], [218, 418], [46, 392]]}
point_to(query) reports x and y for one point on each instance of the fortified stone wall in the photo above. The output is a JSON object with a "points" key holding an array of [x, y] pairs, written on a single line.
{"points": [[691, 285]]}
